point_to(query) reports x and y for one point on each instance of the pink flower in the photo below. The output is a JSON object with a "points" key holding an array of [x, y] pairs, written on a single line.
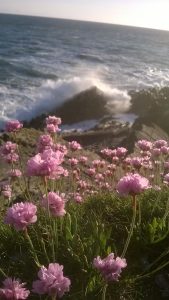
{"points": [[97, 163], [53, 120], [78, 198], [56, 203], [6, 191], [166, 179], [107, 152], [11, 158], [136, 162], [74, 146], [51, 128], [160, 143], [45, 142], [110, 267], [13, 289], [99, 177], [51, 281], [73, 161], [115, 159], [15, 173], [83, 160], [166, 165], [21, 215], [8, 148], [91, 171], [164, 150], [61, 148], [82, 184], [13, 126], [132, 184], [45, 164], [156, 151], [144, 145], [121, 152], [112, 167]]}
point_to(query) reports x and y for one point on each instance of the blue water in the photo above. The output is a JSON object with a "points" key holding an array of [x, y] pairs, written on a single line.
{"points": [[45, 61]]}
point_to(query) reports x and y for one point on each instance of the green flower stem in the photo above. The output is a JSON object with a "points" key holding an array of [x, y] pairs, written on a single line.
{"points": [[51, 222], [131, 226], [139, 213], [156, 260], [166, 210], [3, 273], [153, 272], [21, 167], [44, 249], [32, 248], [104, 292]]}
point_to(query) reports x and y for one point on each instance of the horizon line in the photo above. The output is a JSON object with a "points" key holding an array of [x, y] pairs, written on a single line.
{"points": [[80, 20]]}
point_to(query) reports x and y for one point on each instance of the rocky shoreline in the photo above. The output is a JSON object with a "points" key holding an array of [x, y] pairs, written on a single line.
{"points": [[151, 108]]}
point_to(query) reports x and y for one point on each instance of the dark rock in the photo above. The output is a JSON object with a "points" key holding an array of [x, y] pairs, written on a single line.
{"points": [[88, 105]]}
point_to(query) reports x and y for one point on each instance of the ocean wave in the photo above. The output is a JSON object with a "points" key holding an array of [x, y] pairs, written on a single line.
{"points": [[53, 94], [35, 73], [89, 57]]}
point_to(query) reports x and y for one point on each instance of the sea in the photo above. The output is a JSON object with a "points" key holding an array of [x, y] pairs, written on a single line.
{"points": [[45, 61]]}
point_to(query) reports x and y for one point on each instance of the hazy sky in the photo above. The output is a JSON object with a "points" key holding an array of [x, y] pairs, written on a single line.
{"points": [[145, 13]]}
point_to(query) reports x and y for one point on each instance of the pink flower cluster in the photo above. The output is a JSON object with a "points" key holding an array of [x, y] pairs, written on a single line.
{"points": [[45, 142], [74, 146], [52, 124], [5, 189], [13, 289], [14, 173], [51, 281], [21, 215], [144, 145], [13, 126], [46, 164], [8, 152], [56, 204], [132, 184], [110, 267]]}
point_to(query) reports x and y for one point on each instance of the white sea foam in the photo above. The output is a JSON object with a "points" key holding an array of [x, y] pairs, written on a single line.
{"points": [[52, 94]]}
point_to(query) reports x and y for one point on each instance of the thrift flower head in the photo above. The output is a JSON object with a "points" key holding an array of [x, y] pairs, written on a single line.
{"points": [[21, 215], [74, 146], [156, 151], [107, 152], [56, 203], [6, 190], [51, 128], [11, 158], [13, 126], [136, 162], [51, 281], [73, 161], [166, 179], [53, 120], [160, 143], [15, 173], [8, 148], [83, 160], [61, 148], [110, 267], [45, 142], [13, 289], [45, 164], [166, 165], [144, 145], [164, 150], [121, 152], [132, 184]]}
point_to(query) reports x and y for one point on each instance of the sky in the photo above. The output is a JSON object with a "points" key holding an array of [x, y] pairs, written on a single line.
{"points": [[142, 13]]}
